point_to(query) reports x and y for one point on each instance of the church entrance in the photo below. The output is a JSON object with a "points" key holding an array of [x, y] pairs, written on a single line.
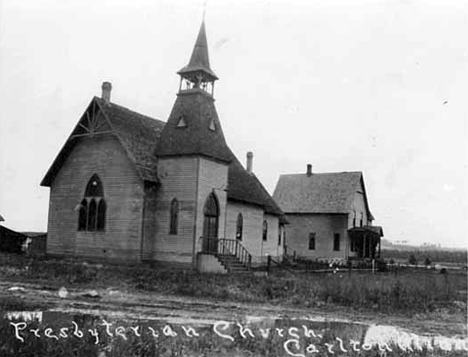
{"points": [[210, 224]]}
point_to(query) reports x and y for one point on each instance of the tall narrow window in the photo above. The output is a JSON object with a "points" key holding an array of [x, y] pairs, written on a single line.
{"points": [[92, 211], [101, 215], [174, 216], [82, 215], [265, 231], [280, 232], [239, 226], [336, 241], [311, 241], [362, 217]]}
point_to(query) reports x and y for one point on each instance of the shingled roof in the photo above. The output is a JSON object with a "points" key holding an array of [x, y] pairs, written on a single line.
{"points": [[199, 61], [196, 108], [138, 134], [246, 187], [318, 193]]}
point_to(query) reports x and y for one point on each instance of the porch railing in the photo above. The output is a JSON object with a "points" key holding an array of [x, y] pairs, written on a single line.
{"points": [[289, 253], [223, 246]]}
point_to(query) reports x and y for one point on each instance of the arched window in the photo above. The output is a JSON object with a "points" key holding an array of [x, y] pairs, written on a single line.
{"points": [[174, 216], [82, 215], [239, 226], [92, 210], [211, 206], [265, 231], [94, 187]]}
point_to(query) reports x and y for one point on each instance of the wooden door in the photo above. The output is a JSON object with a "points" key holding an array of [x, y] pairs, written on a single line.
{"points": [[210, 224]]}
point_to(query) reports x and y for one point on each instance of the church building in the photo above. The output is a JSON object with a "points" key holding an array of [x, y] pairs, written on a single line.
{"points": [[129, 187]]}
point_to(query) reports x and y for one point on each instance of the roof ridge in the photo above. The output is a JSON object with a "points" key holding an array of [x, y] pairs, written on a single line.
{"points": [[321, 192], [323, 173], [129, 110]]}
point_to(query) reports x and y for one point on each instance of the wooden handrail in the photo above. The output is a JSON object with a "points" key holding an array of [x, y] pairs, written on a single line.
{"points": [[288, 251], [223, 246], [271, 260]]}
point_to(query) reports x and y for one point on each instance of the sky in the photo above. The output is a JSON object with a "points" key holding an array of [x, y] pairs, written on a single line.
{"points": [[374, 86]]}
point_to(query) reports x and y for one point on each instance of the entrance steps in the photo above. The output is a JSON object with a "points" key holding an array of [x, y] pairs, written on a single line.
{"points": [[232, 263]]}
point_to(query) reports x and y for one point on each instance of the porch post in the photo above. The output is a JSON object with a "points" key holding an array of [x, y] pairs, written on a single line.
{"points": [[364, 253], [379, 246]]}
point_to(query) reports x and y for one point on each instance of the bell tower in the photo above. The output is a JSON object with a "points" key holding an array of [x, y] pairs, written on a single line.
{"points": [[197, 74], [193, 127], [193, 160]]}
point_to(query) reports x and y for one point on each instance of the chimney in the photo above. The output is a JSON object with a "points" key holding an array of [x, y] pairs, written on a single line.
{"points": [[106, 91], [309, 170], [249, 161]]}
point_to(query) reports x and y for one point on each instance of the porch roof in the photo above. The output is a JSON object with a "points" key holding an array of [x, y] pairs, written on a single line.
{"points": [[374, 230]]}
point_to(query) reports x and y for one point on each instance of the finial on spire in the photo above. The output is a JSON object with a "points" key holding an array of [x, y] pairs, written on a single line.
{"points": [[197, 73], [204, 11]]}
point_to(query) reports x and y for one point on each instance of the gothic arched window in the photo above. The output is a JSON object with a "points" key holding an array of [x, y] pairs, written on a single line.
{"points": [[92, 209], [239, 226], [94, 187], [174, 216], [265, 230]]}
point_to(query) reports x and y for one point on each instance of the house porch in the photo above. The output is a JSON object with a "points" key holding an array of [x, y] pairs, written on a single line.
{"points": [[365, 241]]}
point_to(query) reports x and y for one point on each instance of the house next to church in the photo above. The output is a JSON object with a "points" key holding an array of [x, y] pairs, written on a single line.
{"points": [[329, 216], [129, 187]]}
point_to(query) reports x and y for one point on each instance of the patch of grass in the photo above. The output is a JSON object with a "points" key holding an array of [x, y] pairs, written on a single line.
{"points": [[408, 292], [8, 303]]}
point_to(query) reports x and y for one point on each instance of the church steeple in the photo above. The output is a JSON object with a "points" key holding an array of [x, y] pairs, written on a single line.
{"points": [[193, 127], [197, 73]]}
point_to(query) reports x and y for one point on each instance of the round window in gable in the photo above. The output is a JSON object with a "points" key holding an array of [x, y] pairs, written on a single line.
{"points": [[181, 123]]}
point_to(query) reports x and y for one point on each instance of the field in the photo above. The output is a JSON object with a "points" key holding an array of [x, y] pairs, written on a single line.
{"points": [[409, 291], [433, 256]]}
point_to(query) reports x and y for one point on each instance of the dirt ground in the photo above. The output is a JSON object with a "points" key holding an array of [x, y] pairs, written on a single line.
{"points": [[117, 303]]}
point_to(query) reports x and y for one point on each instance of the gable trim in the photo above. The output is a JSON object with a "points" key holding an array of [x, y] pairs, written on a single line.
{"points": [[72, 141]]}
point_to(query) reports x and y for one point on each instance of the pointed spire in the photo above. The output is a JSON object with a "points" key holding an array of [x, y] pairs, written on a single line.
{"points": [[199, 63]]}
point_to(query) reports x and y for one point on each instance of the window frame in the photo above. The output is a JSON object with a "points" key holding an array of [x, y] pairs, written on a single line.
{"points": [[174, 217], [239, 227], [93, 207], [336, 242], [312, 236], [265, 231]]}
